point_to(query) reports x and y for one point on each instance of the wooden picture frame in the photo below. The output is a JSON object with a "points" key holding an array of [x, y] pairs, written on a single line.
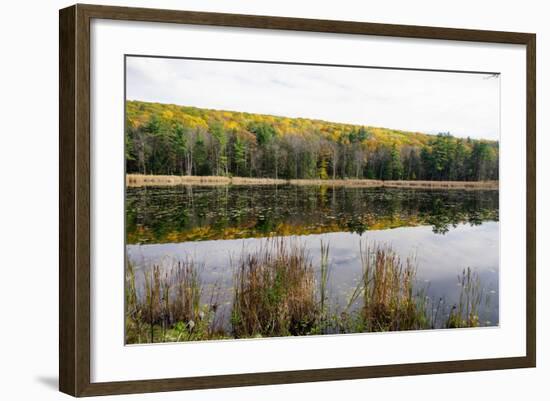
{"points": [[74, 199]]}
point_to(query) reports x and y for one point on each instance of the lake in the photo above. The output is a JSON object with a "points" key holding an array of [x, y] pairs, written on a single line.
{"points": [[445, 232]]}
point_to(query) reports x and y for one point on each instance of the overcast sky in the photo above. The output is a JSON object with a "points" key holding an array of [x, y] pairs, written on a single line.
{"points": [[425, 101]]}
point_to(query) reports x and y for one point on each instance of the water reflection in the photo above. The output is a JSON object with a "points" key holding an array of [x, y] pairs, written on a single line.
{"points": [[186, 213]]}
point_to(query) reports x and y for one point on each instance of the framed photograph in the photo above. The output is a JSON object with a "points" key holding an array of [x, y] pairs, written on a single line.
{"points": [[249, 200]]}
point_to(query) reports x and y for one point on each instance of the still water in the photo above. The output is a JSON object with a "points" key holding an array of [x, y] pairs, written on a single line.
{"points": [[444, 231]]}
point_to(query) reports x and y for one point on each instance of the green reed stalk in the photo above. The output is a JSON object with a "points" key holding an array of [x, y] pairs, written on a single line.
{"points": [[466, 312], [324, 278]]}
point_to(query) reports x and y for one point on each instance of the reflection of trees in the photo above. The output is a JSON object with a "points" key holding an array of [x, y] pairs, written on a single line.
{"points": [[442, 217], [356, 225], [474, 209], [171, 214]]}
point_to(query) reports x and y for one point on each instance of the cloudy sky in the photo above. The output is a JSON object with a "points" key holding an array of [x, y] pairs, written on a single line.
{"points": [[425, 101]]}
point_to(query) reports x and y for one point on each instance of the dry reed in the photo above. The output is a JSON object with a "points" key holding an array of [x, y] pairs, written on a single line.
{"points": [[388, 285], [468, 185], [140, 180], [465, 313], [274, 291], [170, 307]]}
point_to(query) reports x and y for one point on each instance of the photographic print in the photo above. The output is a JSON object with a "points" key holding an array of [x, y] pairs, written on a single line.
{"points": [[268, 199]]}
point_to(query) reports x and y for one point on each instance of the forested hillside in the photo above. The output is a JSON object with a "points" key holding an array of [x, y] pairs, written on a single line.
{"points": [[180, 140]]}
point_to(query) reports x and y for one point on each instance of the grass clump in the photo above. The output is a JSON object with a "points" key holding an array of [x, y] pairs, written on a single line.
{"points": [[389, 299], [466, 312], [170, 307], [274, 293], [387, 295]]}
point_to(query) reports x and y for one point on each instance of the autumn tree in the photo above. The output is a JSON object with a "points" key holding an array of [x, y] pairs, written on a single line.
{"points": [[170, 139]]}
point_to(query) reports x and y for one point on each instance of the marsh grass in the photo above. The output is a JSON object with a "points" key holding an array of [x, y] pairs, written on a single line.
{"points": [[466, 312], [389, 299], [186, 305], [276, 292], [142, 180], [387, 296], [170, 307], [134, 318], [464, 185], [324, 276]]}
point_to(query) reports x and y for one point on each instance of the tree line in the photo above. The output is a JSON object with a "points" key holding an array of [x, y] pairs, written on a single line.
{"points": [[179, 140]]}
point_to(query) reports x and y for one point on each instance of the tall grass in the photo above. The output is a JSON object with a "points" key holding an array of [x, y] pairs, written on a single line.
{"points": [[134, 318], [389, 301], [387, 294], [274, 291], [153, 303], [323, 286], [186, 307], [466, 312], [170, 307]]}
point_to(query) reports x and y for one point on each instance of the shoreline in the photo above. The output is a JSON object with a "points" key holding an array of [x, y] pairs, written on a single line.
{"points": [[141, 180]]}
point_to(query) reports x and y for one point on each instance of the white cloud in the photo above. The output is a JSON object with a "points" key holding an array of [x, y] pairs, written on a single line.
{"points": [[464, 104]]}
